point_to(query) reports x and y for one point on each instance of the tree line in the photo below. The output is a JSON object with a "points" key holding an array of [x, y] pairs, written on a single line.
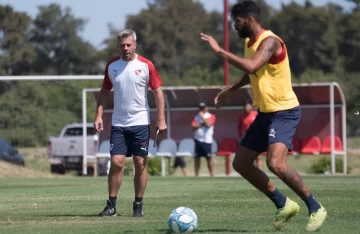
{"points": [[323, 44]]}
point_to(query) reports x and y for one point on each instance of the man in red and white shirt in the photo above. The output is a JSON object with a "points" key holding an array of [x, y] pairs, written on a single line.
{"points": [[129, 76], [245, 120], [203, 126]]}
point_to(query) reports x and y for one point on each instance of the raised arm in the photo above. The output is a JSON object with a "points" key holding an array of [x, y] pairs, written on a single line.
{"points": [[266, 50]]}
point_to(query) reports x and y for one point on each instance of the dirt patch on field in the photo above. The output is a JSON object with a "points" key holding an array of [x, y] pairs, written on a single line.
{"points": [[8, 170]]}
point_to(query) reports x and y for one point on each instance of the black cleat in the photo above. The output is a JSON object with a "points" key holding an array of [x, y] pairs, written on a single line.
{"points": [[138, 209], [110, 209]]}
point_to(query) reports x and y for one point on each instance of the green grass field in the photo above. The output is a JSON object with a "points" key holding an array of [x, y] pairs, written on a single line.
{"points": [[223, 205]]}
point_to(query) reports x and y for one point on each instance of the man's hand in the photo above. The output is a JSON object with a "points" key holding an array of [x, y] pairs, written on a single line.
{"points": [[221, 97], [161, 125], [212, 42], [98, 124]]}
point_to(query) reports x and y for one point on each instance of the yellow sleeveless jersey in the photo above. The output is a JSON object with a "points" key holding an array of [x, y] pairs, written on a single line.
{"points": [[271, 84]]}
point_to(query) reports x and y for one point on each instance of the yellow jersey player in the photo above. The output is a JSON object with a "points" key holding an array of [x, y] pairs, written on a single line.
{"points": [[267, 69]]}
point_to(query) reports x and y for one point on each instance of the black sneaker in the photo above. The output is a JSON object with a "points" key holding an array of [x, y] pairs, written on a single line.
{"points": [[138, 209], [110, 209]]}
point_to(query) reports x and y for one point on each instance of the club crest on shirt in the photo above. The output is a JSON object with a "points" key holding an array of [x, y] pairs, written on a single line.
{"points": [[138, 71]]}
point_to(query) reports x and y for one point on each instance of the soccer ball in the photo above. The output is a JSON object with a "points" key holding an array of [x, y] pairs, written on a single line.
{"points": [[182, 220]]}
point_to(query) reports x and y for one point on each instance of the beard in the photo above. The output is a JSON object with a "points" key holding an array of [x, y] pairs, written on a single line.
{"points": [[244, 32]]}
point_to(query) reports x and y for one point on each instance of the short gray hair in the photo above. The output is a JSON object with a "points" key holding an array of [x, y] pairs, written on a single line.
{"points": [[126, 33]]}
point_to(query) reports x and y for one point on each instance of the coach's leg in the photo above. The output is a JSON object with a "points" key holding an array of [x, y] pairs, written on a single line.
{"points": [[118, 150], [115, 174], [138, 141], [141, 175], [140, 182], [114, 182]]}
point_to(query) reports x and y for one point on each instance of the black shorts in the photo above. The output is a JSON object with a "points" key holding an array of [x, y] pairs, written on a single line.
{"points": [[269, 128], [179, 162], [130, 141], [202, 149]]}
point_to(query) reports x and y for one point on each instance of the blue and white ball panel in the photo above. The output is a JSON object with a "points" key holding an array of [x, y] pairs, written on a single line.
{"points": [[182, 220]]}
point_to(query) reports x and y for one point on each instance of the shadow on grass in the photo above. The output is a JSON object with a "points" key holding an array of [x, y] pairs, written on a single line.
{"points": [[82, 215], [221, 230], [166, 231]]}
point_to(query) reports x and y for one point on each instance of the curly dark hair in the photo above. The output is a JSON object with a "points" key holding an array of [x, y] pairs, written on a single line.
{"points": [[246, 8]]}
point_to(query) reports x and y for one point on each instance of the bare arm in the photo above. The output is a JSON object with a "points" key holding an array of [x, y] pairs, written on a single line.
{"points": [[160, 103], [104, 95], [266, 50], [245, 80], [222, 96], [195, 126], [207, 122]]}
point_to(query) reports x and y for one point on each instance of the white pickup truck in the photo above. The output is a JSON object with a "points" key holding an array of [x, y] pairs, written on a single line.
{"points": [[65, 152]]}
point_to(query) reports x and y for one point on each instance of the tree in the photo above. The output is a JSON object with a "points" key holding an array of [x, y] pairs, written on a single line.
{"points": [[59, 48], [356, 2], [349, 44], [17, 54], [169, 34], [311, 35]]}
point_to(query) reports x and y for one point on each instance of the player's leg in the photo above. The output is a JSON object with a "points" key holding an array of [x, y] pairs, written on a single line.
{"points": [[139, 143], [258, 162], [118, 150], [197, 158], [276, 162], [281, 132], [244, 164], [253, 144]]}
